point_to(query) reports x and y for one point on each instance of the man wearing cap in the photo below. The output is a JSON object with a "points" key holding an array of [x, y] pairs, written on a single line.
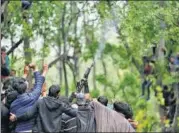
{"points": [[84, 121]]}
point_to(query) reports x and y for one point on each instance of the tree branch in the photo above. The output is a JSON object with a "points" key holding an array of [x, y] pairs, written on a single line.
{"points": [[61, 57], [15, 46]]}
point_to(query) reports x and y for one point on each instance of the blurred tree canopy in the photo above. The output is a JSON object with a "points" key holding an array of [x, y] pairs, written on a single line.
{"points": [[79, 32]]}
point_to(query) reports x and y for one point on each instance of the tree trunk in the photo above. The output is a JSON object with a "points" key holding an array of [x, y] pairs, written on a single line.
{"points": [[160, 59], [76, 52], [28, 59], [94, 75], [4, 12], [64, 51], [105, 70], [60, 67], [71, 66], [12, 43]]}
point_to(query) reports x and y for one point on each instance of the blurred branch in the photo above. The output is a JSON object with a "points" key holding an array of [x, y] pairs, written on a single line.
{"points": [[15, 46], [61, 57]]}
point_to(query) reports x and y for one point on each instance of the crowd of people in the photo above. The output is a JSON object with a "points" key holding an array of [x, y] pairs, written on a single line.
{"points": [[25, 109], [150, 73]]}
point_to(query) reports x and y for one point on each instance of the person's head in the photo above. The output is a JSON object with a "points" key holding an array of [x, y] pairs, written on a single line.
{"points": [[177, 55], [13, 72], [172, 59], [20, 85], [8, 82], [10, 97], [7, 86], [103, 100], [54, 91], [165, 88], [3, 49], [8, 93], [123, 108], [3, 54], [80, 99]]}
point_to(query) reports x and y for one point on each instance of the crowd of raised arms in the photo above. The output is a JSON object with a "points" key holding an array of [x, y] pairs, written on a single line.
{"points": [[25, 109]]}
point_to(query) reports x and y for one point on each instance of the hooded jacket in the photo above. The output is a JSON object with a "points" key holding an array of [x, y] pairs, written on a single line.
{"points": [[48, 112], [4, 118]]}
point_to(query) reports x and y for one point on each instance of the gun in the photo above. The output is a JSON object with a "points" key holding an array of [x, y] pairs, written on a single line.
{"points": [[80, 84], [88, 71]]}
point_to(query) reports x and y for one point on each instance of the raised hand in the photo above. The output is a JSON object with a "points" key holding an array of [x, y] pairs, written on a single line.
{"points": [[33, 66], [133, 123], [45, 70], [26, 71]]}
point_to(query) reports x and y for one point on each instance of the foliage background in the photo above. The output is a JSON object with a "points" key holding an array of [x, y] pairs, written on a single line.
{"points": [[113, 34]]}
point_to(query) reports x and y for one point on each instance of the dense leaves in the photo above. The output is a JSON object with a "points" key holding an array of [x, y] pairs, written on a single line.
{"points": [[78, 30]]}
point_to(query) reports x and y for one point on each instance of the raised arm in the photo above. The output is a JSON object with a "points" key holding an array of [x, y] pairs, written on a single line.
{"points": [[86, 90], [39, 81], [26, 71], [68, 110]]}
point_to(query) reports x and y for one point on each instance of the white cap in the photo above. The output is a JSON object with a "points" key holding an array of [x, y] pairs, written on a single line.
{"points": [[75, 106]]}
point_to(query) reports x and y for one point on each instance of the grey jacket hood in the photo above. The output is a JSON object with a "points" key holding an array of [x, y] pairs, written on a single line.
{"points": [[52, 103]]}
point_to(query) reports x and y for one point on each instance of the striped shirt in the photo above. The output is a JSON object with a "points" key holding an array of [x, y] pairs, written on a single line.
{"points": [[25, 101]]}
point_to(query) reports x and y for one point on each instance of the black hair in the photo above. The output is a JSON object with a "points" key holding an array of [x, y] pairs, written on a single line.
{"points": [[20, 85], [7, 83], [10, 97], [10, 93], [3, 49], [123, 108], [165, 87], [103, 100], [54, 90]]}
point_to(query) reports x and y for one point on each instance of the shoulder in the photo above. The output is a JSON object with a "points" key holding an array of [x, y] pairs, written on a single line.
{"points": [[40, 100], [4, 109]]}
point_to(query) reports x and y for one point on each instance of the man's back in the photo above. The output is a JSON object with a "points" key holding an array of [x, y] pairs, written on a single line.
{"points": [[49, 115], [69, 124], [48, 112]]}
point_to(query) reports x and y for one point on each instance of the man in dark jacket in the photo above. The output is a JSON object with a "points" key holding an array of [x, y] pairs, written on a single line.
{"points": [[8, 95], [48, 111], [69, 122], [4, 118]]}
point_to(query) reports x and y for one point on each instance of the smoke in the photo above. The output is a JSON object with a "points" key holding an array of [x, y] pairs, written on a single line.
{"points": [[104, 30], [102, 41]]}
